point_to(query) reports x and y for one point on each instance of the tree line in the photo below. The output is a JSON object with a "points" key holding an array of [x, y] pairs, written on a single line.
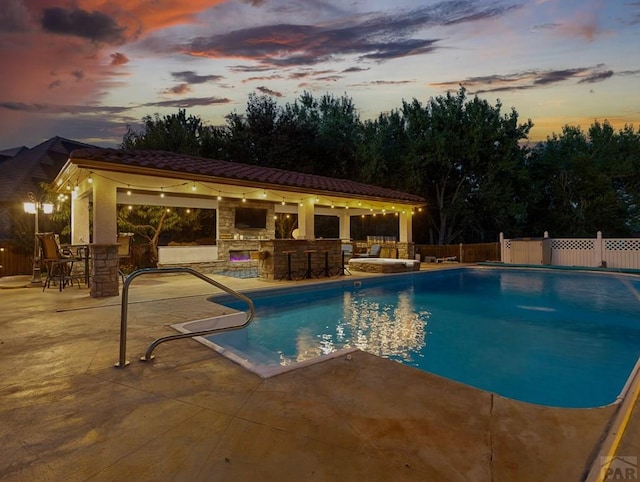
{"points": [[473, 163]]}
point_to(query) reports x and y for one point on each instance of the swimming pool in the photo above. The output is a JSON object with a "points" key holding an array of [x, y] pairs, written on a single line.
{"points": [[547, 337]]}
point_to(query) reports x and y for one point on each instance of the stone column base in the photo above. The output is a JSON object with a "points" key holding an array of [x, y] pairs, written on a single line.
{"points": [[104, 270]]}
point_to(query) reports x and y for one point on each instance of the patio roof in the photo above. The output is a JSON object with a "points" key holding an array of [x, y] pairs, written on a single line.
{"points": [[180, 166]]}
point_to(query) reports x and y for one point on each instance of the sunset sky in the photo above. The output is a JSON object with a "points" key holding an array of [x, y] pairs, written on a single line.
{"points": [[84, 69]]}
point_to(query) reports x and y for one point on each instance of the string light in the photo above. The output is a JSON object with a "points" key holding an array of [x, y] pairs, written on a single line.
{"points": [[193, 187], [219, 196], [161, 192], [90, 179], [244, 199]]}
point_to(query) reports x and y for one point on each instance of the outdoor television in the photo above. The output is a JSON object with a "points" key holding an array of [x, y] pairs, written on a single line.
{"points": [[251, 218]]}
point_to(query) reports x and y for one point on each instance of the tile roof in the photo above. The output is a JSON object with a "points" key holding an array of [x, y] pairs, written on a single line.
{"points": [[185, 165]]}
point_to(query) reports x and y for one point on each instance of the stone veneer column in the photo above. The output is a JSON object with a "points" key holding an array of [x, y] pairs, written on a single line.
{"points": [[406, 250], [104, 270]]}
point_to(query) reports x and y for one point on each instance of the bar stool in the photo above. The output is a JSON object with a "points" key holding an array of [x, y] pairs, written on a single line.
{"points": [[288, 273], [343, 270], [327, 271], [309, 273]]}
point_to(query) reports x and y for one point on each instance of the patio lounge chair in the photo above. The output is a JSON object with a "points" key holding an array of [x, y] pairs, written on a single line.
{"points": [[59, 265], [374, 252]]}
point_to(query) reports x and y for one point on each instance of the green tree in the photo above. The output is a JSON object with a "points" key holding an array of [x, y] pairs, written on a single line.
{"points": [[461, 153], [175, 133], [150, 222], [589, 181], [382, 152]]}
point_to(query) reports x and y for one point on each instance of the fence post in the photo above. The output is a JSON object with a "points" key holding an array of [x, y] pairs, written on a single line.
{"points": [[461, 253], [598, 251], [501, 239]]}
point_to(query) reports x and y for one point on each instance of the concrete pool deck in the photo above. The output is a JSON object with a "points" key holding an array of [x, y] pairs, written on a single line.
{"points": [[192, 415]]}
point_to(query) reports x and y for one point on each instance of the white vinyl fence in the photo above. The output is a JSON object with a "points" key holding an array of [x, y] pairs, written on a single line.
{"points": [[623, 253]]}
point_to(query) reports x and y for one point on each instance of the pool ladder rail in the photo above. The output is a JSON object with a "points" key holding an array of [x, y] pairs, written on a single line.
{"points": [[122, 361]]}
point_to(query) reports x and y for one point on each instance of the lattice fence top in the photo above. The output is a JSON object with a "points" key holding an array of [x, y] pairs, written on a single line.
{"points": [[507, 243], [622, 244], [572, 244]]}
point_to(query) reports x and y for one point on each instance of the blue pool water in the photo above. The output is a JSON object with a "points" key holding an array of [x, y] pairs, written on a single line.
{"points": [[547, 337]]}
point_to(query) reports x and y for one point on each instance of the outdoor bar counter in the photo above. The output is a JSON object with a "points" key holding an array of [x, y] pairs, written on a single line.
{"points": [[282, 259]]}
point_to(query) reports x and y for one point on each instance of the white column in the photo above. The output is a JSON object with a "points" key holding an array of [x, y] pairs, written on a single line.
{"points": [[80, 220], [306, 226], [405, 227], [105, 216], [345, 225]]}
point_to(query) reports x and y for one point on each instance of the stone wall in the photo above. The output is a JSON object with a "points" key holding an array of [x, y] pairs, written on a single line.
{"points": [[274, 257], [227, 215]]}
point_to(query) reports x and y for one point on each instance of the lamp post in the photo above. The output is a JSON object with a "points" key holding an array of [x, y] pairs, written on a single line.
{"points": [[33, 206]]}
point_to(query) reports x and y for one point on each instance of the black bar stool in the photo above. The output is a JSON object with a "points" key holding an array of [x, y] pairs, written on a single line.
{"points": [[309, 273], [288, 272], [327, 271], [342, 270]]}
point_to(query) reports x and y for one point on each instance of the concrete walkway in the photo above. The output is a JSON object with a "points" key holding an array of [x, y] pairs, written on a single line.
{"points": [[66, 414]]}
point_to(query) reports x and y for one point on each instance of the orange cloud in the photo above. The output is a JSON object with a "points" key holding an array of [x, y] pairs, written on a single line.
{"points": [[56, 57], [144, 16], [119, 59]]}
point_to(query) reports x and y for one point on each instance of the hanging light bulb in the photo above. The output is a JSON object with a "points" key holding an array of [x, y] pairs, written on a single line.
{"points": [[219, 196], [193, 187], [90, 179], [128, 190]]}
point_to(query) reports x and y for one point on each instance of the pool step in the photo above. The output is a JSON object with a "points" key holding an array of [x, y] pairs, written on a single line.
{"points": [[230, 320]]}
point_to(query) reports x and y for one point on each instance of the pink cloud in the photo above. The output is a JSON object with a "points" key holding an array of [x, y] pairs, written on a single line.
{"points": [[55, 58]]}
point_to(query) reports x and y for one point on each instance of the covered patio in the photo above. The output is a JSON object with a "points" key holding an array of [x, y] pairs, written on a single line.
{"points": [[100, 179]]}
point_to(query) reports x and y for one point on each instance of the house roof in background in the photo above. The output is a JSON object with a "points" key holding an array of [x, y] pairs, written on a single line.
{"points": [[189, 167], [23, 169], [13, 152]]}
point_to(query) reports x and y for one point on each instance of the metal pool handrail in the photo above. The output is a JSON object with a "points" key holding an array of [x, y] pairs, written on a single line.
{"points": [[125, 305]]}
